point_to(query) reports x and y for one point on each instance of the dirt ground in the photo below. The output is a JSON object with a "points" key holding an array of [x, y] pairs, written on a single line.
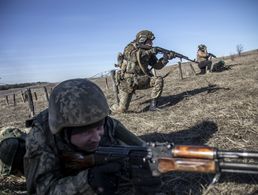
{"points": [[216, 109]]}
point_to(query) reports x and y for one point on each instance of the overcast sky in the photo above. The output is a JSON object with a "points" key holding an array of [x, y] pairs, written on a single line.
{"points": [[54, 40]]}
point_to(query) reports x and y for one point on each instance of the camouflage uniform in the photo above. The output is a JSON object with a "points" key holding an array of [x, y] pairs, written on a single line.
{"points": [[203, 58], [12, 149], [205, 63], [136, 74], [45, 144]]}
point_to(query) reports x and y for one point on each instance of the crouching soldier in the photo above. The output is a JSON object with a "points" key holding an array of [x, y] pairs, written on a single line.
{"points": [[205, 63], [139, 60]]}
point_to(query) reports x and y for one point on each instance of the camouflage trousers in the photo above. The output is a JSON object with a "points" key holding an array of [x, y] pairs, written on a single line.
{"points": [[130, 84], [212, 66], [203, 65]]}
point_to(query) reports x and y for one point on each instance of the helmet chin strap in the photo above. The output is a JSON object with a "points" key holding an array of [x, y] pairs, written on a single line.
{"points": [[148, 44], [66, 136]]}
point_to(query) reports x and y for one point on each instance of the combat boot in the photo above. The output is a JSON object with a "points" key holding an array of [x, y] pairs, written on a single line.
{"points": [[153, 105], [123, 105], [208, 69], [203, 71], [116, 109]]}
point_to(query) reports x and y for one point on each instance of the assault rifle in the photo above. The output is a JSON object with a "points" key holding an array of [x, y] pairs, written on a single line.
{"points": [[175, 54], [166, 52], [163, 158], [212, 55]]}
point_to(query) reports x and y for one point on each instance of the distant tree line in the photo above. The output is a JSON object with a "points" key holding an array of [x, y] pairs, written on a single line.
{"points": [[19, 85]]}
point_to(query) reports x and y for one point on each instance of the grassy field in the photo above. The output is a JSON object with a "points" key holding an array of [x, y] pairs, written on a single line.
{"points": [[216, 109]]}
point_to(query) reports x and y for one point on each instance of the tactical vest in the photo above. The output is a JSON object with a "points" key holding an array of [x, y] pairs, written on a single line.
{"points": [[134, 64], [204, 56]]}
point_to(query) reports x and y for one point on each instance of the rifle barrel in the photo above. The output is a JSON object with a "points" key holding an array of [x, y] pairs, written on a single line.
{"points": [[238, 166], [238, 171], [236, 154]]}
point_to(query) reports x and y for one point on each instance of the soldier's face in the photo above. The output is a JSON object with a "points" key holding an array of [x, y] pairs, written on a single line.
{"points": [[88, 139], [148, 42]]}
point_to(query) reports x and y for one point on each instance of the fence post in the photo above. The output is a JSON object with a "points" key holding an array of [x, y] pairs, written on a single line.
{"points": [[106, 82], [192, 69], [180, 70], [14, 100], [35, 95], [46, 94], [22, 96], [115, 88], [30, 102], [7, 100]]}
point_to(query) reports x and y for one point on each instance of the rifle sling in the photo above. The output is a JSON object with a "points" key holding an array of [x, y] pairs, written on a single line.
{"points": [[140, 64]]}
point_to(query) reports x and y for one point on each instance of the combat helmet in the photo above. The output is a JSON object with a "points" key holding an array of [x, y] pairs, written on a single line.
{"points": [[143, 35], [75, 103], [202, 47]]}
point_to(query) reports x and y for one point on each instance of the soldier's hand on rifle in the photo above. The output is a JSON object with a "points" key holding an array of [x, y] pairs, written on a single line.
{"points": [[167, 57], [154, 50], [171, 55], [164, 59], [104, 178], [212, 55]]}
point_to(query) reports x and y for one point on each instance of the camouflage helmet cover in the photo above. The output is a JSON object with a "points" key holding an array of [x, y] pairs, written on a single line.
{"points": [[202, 46], [143, 35], [74, 103]]}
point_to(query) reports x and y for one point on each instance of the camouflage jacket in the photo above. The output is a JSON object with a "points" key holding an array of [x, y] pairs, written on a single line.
{"points": [[202, 55], [146, 58], [43, 167]]}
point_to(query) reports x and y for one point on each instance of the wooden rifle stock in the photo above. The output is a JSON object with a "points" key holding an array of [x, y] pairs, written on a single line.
{"points": [[166, 165], [77, 161], [205, 159], [184, 151]]}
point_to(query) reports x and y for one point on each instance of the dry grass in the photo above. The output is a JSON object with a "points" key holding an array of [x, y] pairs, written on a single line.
{"points": [[191, 112]]}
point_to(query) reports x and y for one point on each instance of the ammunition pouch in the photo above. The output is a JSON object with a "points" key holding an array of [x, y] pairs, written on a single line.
{"points": [[120, 59]]}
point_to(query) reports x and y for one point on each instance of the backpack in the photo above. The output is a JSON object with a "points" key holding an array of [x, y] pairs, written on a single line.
{"points": [[12, 150]]}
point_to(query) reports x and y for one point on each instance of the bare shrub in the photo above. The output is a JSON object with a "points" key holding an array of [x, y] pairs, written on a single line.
{"points": [[239, 49]]}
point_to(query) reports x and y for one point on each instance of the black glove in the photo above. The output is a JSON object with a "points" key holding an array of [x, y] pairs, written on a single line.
{"points": [[153, 50], [171, 55], [104, 179], [164, 59]]}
